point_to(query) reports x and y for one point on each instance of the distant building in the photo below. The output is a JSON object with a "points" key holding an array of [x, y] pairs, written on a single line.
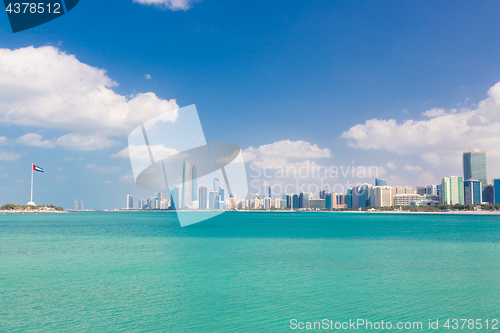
{"points": [[427, 189], [267, 203], [175, 197], [489, 194], [380, 182], [304, 199], [361, 195], [404, 190], [317, 203], [474, 162], [406, 199], [296, 201], [272, 192], [203, 199], [322, 194], [349, 198], [452, 190], [213, 200], [382, 196], [130, 202], [496, 191], [473, 192], [216, 185]]}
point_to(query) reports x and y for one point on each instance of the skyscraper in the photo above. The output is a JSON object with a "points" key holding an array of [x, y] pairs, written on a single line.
{"points": [[271, 192], [187, 185], [473, 192], [213, 198], [216, 185], [203, 197], [380, 182], [175, 194], [496, 191], [474, 161], [322, 194], [130, 201], [452, 190], [194, 186]]}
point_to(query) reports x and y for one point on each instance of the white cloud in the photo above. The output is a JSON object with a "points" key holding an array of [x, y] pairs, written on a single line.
{"points": [[128, 178], [45, 87], [168, 4], [85, 142], [3, 140], [147, 76], [68, 141], [107, 182], [94, 168], [140, 151], [391, 165], [285, 149], [409, 167], [34, 139], [439, 139], [9, 156]]}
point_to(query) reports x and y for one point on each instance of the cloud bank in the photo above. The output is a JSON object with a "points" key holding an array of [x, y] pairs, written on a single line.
{"points": [[46, 88]]}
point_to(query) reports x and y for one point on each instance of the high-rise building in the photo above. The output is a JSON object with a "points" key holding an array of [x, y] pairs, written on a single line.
{"points": [[304, 200], [216, 185], [490, 194], [380, 182], [349, 198], [452, 190], [272, 191], [382, 196], [361, 195], [221, 194], [175, 195], [322, 194], [187, 185], [213, 200], [496, 191], [130, 201], [296, 201], [76, 204], [473, 192], [427, 189], [194, 185], [267, 203], [474, 161], [203, 202], [317, 203]]}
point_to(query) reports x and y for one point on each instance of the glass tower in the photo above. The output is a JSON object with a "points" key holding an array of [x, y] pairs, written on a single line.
{"points": [[475, 167]]}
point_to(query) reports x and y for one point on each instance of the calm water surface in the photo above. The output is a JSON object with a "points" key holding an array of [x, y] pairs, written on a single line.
{"points": [[246, 272]]}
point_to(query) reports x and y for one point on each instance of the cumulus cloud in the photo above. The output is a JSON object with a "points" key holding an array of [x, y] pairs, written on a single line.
{"points": [[409, 167], [36, 140], [9, 156], [168, 4], [45, 87], [103, 169], [438, 139], [128, 178], [140, 151], [3, 140], [147, 76], [285, 150]]}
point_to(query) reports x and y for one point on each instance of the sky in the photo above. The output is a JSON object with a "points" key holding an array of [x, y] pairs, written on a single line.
{"points": [[400, 86]]}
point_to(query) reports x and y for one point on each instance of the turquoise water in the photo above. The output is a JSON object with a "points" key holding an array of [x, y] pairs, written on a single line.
{"points": [[244, 272]]}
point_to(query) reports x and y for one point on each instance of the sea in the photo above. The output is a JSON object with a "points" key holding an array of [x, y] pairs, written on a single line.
{"points": [[247, 272]]}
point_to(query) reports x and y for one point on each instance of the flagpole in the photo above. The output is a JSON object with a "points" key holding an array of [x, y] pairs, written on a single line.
{"points": [[31, 183]]}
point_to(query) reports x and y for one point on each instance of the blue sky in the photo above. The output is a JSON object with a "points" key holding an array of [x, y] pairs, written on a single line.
{"points": [[260, 73]]}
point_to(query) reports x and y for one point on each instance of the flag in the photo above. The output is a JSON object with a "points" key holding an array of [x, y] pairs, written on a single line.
{"points": [[37, 168]]}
